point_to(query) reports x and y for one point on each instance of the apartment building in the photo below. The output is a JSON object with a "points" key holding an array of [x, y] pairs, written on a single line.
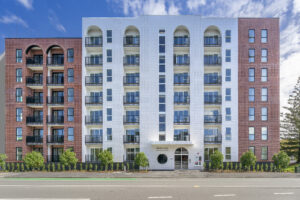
{"points": [[43, 97], [2, 102]]}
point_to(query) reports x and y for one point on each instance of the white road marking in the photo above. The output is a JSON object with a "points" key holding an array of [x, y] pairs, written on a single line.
{"points": [[161, 197], [283, 193], [224, 195]]}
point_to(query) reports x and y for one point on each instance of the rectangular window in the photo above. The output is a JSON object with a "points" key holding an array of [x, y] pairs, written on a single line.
{"points": [[70, 94], [251, 35], [251, 133], [162, 66], [162, 122], [70, 75], [109, 134], [228, 114], [251, 114], [109, 75], [162, 103], [109, 55], [264, 55], [228, 153], [19, 134], [251, 95], [162, 137], [228, 36], [109, 149], [264, 36], [228, 55], [19, 75], [251, 55], [264, 114], [70, 134], [19, 95], [251, 74], [109, 94], [228, 133], [162, 83], [70, 114], [264, 94], [109, 114], [228, 75], [19, 153], [264, 133], [264, 153], [70, 55], [162, 44], [19, 55], [228, 94], [19, 114], [264, 75], [252, 149], [109, 36]]}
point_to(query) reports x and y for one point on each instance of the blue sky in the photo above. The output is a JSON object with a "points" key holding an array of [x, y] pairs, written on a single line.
{"points": [[62, 18]]}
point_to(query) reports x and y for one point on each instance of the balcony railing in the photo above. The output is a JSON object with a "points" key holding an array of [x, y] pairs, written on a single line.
{"points": [[34, 81], [93, 41], [93, 61], [213, 139], [55, 119], [181, 138], [131, 60], [93, 120], [131, 80], [131, 119], [212, 80], [182, 120], [182, 81], [93, 80], [93, 139], [131, 100], [212, 99], [34, 140], [181, 61], [55, 100], [51, 80], [181, 41], [212, 60], [212, 118], [212, 41], [34, 100], [34, 61], [92, 158], [34, 120], [55, 139], [55, 61], [133, 41], [93, 100], [181, 101], [53, 158], [131, 139]]}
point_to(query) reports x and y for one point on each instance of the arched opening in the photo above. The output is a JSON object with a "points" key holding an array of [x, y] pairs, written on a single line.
{"points": [[181, 36], [93, 36], [131, 36], [212, 36], [55, 55], [34, 55], [181, 158]]}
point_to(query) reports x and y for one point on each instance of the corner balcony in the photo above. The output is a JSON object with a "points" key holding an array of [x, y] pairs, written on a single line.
{"points": [[214, 99], [55, 101], [213, 139], [93, 139], [34, 63], [54, 82], [55, 62], [34, 140], [93, 120], [55, 120], [131, 139], [131, 119], [55, 139], [212, 80], [34, 102], [131, 41], [212, 119], [93, 62], [212, 41], [34, 83], [93, 81], [34, 121], [93, 100], [182, 121]]}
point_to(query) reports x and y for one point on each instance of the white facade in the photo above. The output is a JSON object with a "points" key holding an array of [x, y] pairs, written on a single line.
{"points": [[149, 28]]}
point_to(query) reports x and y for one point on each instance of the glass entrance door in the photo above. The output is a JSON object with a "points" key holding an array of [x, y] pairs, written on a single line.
{"points": [[181, 158]]}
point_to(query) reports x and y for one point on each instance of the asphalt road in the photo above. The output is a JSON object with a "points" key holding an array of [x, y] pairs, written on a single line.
{"points": [[139, 189]]}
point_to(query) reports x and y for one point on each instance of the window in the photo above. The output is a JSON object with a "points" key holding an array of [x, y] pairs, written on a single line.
{"points": [[162, 66], [264, 94], [228, 55], [162, 83], [162, 44], [264, 133], [228, 36], [70, 55], [109, 133], [228, 94], [70, 114], [162, 137], [251, 35], [19, 114], [251, 55], [251, 74], [251, 95], [162, 103], [19, 75], [70, 134], [109, 55], [251, 133], [228, 114], [109, 94], [19, 153], [264, 55], [162, 158], [228, 153], [109, 114], [109, 36], [19, 134], [19, 97], [228, 75], [19, 55], [264, 75], [264, 36], [251, 114], [70, 94], [70, 75], [162, 122], [264, 153], [228, 133], [252, 149], [264, 114], [109, 75], [162, 31]]}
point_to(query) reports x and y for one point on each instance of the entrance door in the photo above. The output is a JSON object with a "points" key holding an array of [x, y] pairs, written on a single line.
{"points": [[181, 158]]}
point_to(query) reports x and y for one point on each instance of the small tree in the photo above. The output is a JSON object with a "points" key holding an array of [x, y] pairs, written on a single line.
{"points": [[281, 160], [248, 159], [217, 160], [34, 160], [3, 157], [141, 160], [105, 158], [68, 158]]}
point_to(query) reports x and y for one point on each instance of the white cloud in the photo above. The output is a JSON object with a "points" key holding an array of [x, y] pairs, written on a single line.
{"points": [[296, 6], [154, 7], [53, 19], [13, 19], [193, 5], [26, 3]]}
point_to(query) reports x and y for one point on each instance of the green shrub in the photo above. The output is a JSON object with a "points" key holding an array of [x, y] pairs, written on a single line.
{"points": [[68, 158], [248, 159], [127, 166], [117, 167], [141, 160], [262, 167], [227, 166], [240, 166], [12, 165], [96, 167], [53, 167], [105, 158], [204, 165], [271, 167], [217, 160], [63, 168], [231, 166], [34, 160], [22, 167], [122, 166], [80, 167], [91, 167], [3, 157], [18, 167], [281, 161], [58, 167], [209, 166]]}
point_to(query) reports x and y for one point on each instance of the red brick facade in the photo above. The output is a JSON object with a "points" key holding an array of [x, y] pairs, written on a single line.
{"points": [[41, 46], [273, 102]]}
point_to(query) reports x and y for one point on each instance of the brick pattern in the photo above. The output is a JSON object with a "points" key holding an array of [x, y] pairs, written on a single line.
{"points": [[273, 103]]}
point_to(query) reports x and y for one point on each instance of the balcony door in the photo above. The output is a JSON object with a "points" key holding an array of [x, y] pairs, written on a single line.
{"points": [[38, 59], [94, 154], [38, 114], [57, 114], [57, 77], [181, 158], [56, 152], [38, 77]]}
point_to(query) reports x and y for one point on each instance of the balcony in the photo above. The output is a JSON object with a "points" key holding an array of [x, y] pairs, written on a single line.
{"points": [[93, 120], [34, 83], [131, 41], [131, 60], [55, 120], [181, 41], [92, 158], [93, 100], [212, 41], [212, 80], [135, 100], [182, 81], [181, 120], [212, 119], [181, 61], [53, 158], [131, 80], [93, 61], [131, 119], [93, 139], [213, 139], [34, 140], [181, 137], [131, 139], [55, 81], [181, 101], [213, 99], [212, 60], [55, 139], [34, 121], [93, 80], [55, 61], [34, 101], [34, 63], [55, 100], [93, 41]]}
